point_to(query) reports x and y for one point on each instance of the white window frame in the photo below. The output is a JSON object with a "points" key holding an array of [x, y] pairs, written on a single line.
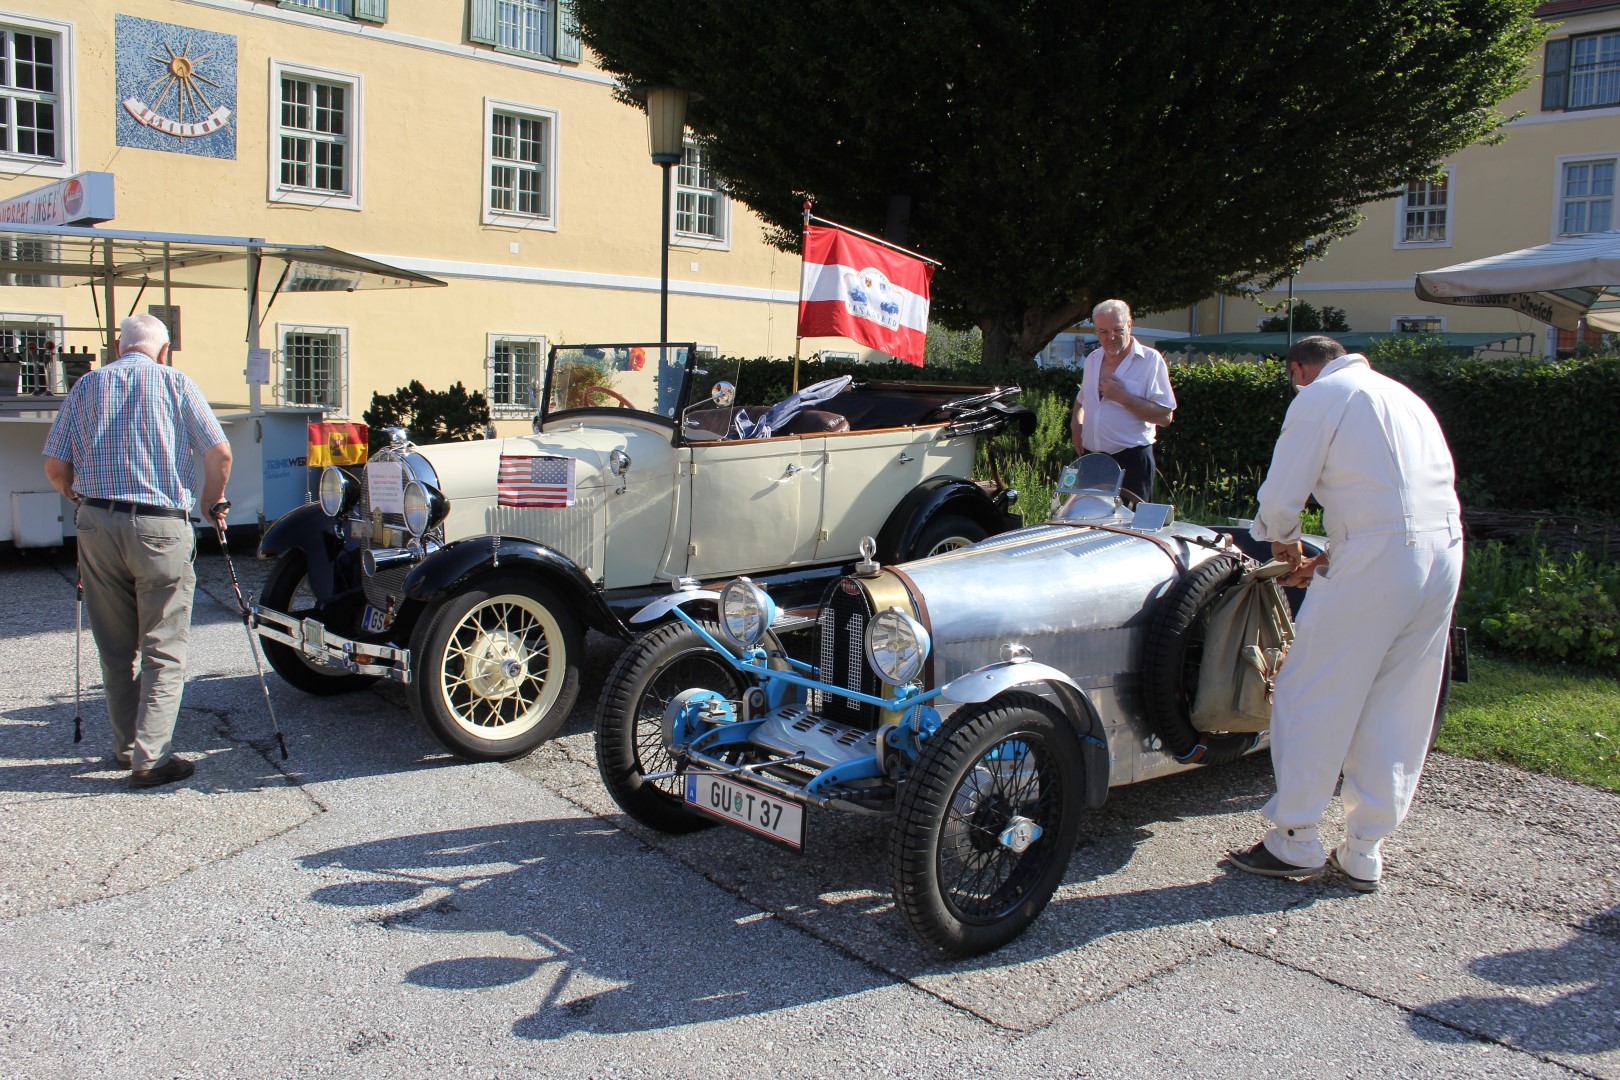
{"points": [[1401, 242], [842, 356], [37, 380], [1396, 320], [283, 330], [49, 250], [520, 408], [63, 164], [558, 29], [720, 240], [1561, 166], [299, 196], [551, 141], [1569, 91]]}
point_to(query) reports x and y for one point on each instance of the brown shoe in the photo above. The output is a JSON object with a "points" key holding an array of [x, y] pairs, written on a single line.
{"points": [[176, 768]]}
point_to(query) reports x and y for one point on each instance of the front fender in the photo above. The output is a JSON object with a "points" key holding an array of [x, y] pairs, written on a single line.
{"points": [[308, 529], [457, 566], [993, 680], [922, 503], [662, 606]]}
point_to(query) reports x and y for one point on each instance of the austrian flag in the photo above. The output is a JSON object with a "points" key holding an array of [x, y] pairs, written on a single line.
{"points": [[535, 481], [854, 288]]}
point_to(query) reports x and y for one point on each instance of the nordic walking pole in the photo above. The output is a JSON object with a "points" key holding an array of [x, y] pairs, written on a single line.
{"points": [[247, 624], [78, 668]]}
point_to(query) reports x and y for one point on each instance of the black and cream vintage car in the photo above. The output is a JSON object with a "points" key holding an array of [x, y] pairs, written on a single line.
{"points": [[469, 571], [983, 698]]}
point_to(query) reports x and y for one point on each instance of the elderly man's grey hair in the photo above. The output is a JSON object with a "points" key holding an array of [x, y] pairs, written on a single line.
{"points": [[144, 334], [1314, 351], [1119, 309]]}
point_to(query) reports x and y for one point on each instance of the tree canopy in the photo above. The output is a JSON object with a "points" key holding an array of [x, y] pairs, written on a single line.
{"points": [[1058, 152]]}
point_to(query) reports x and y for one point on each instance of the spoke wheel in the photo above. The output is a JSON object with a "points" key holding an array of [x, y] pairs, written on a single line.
{"points": [[287, 591], [631, 741], [947, 532], [498, 669], [986, 824]]}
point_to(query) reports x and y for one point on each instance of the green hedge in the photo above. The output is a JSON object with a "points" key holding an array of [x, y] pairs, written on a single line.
{"points": [[1525, 434]]}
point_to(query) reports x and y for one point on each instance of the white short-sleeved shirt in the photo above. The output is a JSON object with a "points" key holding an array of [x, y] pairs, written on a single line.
{"points": [[1110, 427]]}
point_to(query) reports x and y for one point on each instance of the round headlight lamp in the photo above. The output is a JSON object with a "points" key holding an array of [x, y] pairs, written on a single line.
{"points": [[424, 507], [338, 491], [746, 612], [897, 646]]}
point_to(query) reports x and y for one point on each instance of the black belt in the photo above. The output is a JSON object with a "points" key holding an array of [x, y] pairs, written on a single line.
{"points": [[137, 509]]}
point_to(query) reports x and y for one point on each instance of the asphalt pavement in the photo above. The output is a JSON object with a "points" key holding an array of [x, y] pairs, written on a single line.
{"points": [[372, 907]]}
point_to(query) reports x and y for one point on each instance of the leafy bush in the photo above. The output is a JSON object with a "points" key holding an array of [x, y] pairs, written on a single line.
{"points": [[431, 416], [1308, 320], [1535, 604]]}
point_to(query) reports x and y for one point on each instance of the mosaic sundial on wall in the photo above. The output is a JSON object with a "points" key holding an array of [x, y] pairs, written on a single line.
{"points": [[176, 88]]}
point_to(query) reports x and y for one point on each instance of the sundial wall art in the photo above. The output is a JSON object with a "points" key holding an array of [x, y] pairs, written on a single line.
{"points": [[176, 88]]}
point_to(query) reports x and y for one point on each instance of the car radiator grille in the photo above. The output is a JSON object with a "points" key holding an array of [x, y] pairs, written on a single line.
{"points": [[383, 591], [842, 623]]}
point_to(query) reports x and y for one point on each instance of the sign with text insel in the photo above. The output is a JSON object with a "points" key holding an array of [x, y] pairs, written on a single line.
{"points": [[82, 199], [176, 88]]}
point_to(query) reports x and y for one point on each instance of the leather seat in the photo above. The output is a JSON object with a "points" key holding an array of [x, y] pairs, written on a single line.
{"points": [[815, 422]]}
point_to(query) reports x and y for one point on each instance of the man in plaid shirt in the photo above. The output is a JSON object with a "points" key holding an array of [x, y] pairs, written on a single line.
{"points": [[121, 450]]}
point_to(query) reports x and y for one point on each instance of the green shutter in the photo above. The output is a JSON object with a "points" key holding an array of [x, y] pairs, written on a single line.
{"points": [[481, 21], [371, 10], [567, 31], [1555, 75]]}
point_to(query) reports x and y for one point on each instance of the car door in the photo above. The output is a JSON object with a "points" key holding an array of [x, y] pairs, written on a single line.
{"points": [[869, 472], [743, 504]]}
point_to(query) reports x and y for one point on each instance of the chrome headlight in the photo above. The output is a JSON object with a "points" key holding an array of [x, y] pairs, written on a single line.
{"points": [[425, 507], [897, 646], [746, 612], [339, 491]]}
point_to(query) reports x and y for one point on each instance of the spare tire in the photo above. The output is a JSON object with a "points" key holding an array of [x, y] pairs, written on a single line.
{"points": [[1170, 661]]}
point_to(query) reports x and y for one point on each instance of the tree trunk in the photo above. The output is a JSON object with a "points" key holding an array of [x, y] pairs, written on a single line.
{"points": [[1013, 340]]}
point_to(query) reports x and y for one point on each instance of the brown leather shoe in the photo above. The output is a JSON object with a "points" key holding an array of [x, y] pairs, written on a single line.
{"points": [[176, 768]]}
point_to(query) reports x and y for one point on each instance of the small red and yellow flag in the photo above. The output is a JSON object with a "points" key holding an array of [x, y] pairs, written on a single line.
{"points": [[337, 442]]}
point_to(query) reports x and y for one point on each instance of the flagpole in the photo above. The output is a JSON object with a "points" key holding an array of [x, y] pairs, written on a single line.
{"points": [[798, 339], [867, 236]]}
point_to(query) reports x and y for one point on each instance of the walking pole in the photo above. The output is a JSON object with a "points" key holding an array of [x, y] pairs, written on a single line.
{"points": [[78, 669], [247, 624]]}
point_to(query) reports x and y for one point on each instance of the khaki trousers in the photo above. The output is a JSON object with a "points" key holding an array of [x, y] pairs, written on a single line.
{"points": [[138, 584]]}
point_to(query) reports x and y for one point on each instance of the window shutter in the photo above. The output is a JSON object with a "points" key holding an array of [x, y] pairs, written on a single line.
{"points": [[371, 10], [1555, 75], [567, 31], [481, 21]]}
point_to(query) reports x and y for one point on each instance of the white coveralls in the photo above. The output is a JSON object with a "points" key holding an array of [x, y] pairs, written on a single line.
{"points": [[1359, 688]]}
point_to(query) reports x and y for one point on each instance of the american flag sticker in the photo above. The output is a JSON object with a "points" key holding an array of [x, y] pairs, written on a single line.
{"points": [[535, 481]]}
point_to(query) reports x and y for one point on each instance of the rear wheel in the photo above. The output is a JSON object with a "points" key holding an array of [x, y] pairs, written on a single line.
{"points": [[631, 740], [287, 591], [946, 532], [497, 668], [986, 824]]}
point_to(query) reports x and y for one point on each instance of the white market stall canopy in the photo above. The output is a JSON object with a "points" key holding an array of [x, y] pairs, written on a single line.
{"points": [[1559, 283]]}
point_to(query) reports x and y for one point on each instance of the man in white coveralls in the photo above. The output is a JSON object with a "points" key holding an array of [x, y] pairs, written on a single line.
{"points": [[1359, 688]]}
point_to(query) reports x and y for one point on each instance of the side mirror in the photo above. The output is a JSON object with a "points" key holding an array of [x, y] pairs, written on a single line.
{"points": [[723, 394], [619, 465]]}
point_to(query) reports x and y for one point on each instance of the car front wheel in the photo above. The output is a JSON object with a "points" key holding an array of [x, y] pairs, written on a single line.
{"points": [[287, 591], [497, 669]]}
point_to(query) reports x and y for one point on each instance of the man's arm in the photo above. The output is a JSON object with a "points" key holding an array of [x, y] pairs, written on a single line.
{"points": [[1076, 425], [60, 474], [216, 471]]}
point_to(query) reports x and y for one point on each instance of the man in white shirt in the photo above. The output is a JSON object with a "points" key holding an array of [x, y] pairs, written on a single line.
{"points": [[1124, 398], [1359, 689]]}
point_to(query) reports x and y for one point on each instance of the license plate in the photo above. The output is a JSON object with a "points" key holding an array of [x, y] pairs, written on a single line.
{"points": [[747, 808], [373, 621]]}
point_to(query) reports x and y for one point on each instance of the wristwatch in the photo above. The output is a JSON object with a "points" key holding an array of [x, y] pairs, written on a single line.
{"points": [[219, 508]]}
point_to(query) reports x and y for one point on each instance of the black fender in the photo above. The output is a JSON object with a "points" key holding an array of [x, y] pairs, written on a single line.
{"points": [[1088, 728], [308, 529], [928, 499], [455, 567]]}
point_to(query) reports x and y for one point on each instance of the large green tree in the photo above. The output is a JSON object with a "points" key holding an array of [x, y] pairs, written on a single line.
{"points": [[1058, 152]]}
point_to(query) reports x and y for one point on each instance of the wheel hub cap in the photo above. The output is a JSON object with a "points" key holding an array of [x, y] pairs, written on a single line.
{"points": [[496, 663], [1019, 834]]}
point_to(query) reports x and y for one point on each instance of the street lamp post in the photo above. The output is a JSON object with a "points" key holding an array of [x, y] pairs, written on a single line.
{"points": [[666, 142]]}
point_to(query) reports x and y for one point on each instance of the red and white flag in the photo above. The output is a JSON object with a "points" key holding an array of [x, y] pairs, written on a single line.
{"points": [[854, 288], [535, 481]]}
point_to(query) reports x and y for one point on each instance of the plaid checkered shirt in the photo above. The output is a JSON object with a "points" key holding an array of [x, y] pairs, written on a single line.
{"points": [[128, 430]]}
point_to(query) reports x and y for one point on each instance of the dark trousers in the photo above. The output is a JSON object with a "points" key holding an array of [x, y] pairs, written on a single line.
{"points": [[1137, 461]]}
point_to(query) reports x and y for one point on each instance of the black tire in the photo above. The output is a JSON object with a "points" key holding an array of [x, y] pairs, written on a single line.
{"points": [[496, 668], [958, 886], [287, 590], [630, 720], [946, 532], [1173, 652]]}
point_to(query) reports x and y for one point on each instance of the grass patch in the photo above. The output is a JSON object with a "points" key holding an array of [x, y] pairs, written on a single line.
{"points": [[1546, 718]]}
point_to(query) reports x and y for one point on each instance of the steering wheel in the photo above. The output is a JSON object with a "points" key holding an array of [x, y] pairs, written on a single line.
{"points": [[586, 392]]}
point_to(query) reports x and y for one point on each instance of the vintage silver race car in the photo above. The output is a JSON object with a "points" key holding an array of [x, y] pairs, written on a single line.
{"points": [[470, 571], [983, 697]]}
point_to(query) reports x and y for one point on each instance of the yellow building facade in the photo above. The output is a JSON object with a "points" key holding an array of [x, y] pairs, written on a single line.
{"points": [[1552, 176], [469, 140]]}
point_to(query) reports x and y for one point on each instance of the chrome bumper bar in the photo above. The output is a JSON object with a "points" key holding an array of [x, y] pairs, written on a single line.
{"points": [[317, 643]]}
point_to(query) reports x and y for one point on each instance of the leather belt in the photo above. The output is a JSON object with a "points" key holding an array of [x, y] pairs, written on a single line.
{"points": [[137, 509]]}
